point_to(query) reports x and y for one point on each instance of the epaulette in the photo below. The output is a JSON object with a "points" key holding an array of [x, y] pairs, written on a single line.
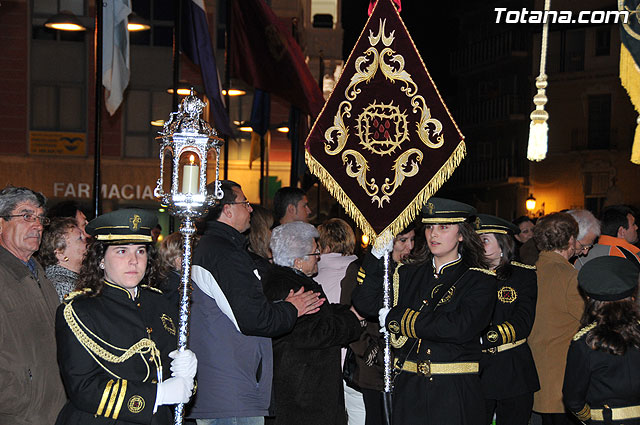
{"points": [[582, 332], [485, 271], [74, 294], [151, 288], [524, 266]]}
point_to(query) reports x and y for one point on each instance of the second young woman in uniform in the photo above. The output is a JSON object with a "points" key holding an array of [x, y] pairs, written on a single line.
{"points": [[441, 303], [508, 373]]}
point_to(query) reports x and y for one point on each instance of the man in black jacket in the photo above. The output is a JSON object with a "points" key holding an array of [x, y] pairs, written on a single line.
{"points": [[232, 321]]}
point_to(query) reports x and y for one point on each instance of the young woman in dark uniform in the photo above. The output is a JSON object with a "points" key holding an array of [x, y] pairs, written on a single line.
{"points": [[442, 300], [508, 373], [602, 377], [115, 336]]}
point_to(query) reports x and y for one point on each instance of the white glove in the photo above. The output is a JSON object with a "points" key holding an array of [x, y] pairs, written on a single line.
{"points": [[173, 391], [184, 363], [383, 244], [382, 318]]}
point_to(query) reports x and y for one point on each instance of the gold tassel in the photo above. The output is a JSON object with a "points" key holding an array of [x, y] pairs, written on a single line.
{"points": [[629, 77], [537, 149]]}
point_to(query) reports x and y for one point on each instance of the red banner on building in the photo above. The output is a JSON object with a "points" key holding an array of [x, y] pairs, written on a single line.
{"points": [[385, 141]]}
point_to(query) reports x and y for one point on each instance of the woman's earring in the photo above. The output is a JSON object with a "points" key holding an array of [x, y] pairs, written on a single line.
{"points": [[102, 266], [65, 259], [501, 254]]}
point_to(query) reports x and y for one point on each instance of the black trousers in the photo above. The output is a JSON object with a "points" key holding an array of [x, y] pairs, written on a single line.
{"points": [[373, 406], [509, 411]]}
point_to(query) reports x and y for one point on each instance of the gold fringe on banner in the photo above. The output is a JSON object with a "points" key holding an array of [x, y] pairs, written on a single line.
{"points": [[408, 214], [630, 79]]}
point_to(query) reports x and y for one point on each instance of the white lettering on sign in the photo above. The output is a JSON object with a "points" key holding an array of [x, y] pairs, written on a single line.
{"points": [[83, 190]]}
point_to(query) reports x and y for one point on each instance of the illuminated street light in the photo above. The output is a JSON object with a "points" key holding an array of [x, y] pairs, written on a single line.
{"points": [[65, 21]]}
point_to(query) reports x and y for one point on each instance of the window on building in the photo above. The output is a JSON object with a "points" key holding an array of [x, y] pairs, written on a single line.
{"points": [[603, 42], [160, 14], [321, 10], [574, 51], [596, 185], [599, 121], [58, 70], [142, 106]]}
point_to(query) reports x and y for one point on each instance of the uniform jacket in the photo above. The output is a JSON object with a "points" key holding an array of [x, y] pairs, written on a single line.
{"points": [[512, 372], [558, 313], [117, 382], [31, 391], [594, 378], [450, 333], [608, 245], [307, 385], [231, 323]]}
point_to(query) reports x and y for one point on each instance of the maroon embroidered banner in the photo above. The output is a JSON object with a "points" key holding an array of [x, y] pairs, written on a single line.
{"points": [[384, 141]]}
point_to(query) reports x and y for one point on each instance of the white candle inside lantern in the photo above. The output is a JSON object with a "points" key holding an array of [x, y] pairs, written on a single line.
{"points": [[190, 176]]}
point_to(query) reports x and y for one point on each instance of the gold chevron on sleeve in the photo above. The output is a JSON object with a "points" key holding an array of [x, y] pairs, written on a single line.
{"points": [[505, 339], [112, 399], [513, 331], [105, 396], [412, 326], [361, 276], [584, 414], [123, 392], [403, 322]]}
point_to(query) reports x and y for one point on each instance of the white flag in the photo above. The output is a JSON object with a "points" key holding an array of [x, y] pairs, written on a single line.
{"points": [[115, 51]]}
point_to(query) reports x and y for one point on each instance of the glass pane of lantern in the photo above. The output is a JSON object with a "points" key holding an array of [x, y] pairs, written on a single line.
{"points": [[167, 171], [189, 170]]}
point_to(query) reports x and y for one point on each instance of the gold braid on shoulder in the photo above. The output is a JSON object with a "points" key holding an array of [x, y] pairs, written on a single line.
{"points": [[397, 341], [142, 347], [582, 332]]}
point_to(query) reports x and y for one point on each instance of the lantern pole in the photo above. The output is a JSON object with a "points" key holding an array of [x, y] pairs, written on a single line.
{"points": [[184, 135]]}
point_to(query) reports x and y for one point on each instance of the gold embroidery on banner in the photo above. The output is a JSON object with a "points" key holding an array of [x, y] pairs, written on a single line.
{"points": [[360, 173], [135, 404], [167, 322], [382, 128], [419, 103], [341, 131]]}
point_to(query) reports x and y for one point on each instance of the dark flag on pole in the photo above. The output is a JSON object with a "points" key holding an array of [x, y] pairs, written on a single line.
{"points": [[266, 56], [385, 141], [196, 44]]}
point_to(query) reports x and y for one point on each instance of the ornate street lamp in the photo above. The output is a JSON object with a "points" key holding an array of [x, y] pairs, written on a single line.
{"points": [[185, 142]]}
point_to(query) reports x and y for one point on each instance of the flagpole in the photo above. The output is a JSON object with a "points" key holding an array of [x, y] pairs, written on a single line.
{"points": [[177, 29], [98, 111], [227, 83]]}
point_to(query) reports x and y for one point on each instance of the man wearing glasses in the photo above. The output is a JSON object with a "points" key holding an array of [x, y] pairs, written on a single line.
{"points": [[232, 322], [619, 233], [32, 391]]}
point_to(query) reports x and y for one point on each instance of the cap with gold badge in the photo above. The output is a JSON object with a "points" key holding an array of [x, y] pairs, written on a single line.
{"points": [[126, 226], [486, 223], [440, 211]]}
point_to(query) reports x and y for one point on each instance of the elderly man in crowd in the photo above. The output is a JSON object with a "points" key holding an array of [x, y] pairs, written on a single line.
{"points": [[32, 392], [619, 233]]}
